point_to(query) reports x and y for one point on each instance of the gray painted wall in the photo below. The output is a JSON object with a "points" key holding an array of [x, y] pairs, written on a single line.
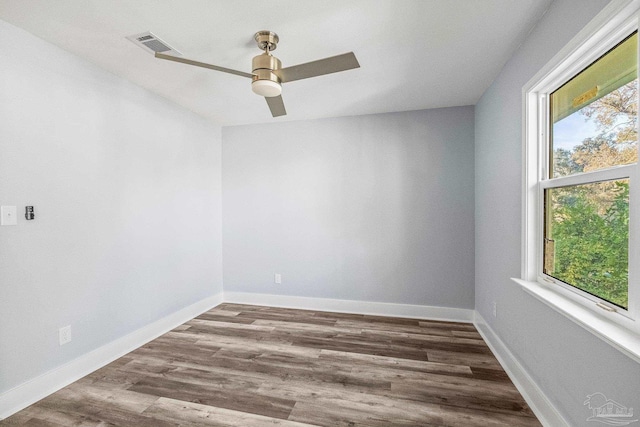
{"points": [[565, 360], [126, 188], [371, 208]]}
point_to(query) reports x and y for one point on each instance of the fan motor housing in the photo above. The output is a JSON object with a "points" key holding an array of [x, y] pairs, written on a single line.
{"points": [[263, 66]]}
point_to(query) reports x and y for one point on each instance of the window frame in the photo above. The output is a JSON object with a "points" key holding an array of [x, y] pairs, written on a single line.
{"points": [[618, 19]]}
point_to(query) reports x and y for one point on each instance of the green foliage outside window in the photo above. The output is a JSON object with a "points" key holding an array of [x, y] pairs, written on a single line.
{"points": [[591, 247]]}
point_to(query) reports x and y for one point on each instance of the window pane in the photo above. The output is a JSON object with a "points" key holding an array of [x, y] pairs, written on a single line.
{"points": [[594, 115], [587, 238]]}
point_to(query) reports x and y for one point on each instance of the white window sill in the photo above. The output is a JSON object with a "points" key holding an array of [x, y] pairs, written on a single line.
{"points": [[616, 335]]}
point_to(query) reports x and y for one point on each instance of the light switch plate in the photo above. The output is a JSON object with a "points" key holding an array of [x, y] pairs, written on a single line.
{"points": [[9, 215]]}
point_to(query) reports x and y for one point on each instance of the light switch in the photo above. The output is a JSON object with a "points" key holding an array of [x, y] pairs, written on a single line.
{"points": [[9, 215]]}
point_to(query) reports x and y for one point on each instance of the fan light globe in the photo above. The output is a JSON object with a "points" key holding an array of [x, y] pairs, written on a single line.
{"points": [[266, 88]]}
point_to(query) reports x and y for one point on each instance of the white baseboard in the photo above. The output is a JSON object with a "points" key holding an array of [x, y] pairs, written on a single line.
{"points": [[37, 388], [352, 306], [536, 399]]}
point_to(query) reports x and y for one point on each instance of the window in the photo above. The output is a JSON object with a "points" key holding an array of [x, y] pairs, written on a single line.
{"points": [[581, 201], [592, 131]]}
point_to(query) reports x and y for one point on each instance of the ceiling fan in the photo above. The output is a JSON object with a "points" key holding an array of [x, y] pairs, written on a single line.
{"points": [[267, 73]]}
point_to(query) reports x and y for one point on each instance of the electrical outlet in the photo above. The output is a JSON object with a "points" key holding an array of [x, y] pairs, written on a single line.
{"points": [[64, 334], [495, 309], [277, 278]]}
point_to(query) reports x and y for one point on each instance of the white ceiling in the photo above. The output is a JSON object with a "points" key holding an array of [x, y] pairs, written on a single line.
{"points": [[414, 54]]}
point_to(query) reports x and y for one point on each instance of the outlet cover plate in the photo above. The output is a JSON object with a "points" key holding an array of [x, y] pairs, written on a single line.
{"points": [[64, 334]]}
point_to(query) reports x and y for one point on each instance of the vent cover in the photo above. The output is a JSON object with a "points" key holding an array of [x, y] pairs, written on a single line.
{"points": [[152, 43]]}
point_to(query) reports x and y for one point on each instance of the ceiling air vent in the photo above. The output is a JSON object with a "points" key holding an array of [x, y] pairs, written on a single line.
{"points": [[152, 43]]}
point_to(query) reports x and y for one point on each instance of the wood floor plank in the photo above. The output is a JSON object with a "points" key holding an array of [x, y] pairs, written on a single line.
{"points": [[54, 418], [190, 375], [76, 407], [356, 359], [331, 374], [185, 350], [376, 398], [422, 328], [213, 396], [307, 328], [36, 422], [454, 326], [424, 379], [225, 318], [467, 334], [218, 342], [244, 365], [216, 324], [196, 415], [18, 419], [460, 397], [356, 414], [490, 374], [486, 360], [285, 317]]}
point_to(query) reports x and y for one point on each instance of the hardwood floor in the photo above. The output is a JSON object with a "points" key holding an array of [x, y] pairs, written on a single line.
{"points": [[241, 365]]}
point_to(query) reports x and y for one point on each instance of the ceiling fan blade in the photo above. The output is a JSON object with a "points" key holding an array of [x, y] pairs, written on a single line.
{"points": [[276, 105], [202, 64], [333, 64]]}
